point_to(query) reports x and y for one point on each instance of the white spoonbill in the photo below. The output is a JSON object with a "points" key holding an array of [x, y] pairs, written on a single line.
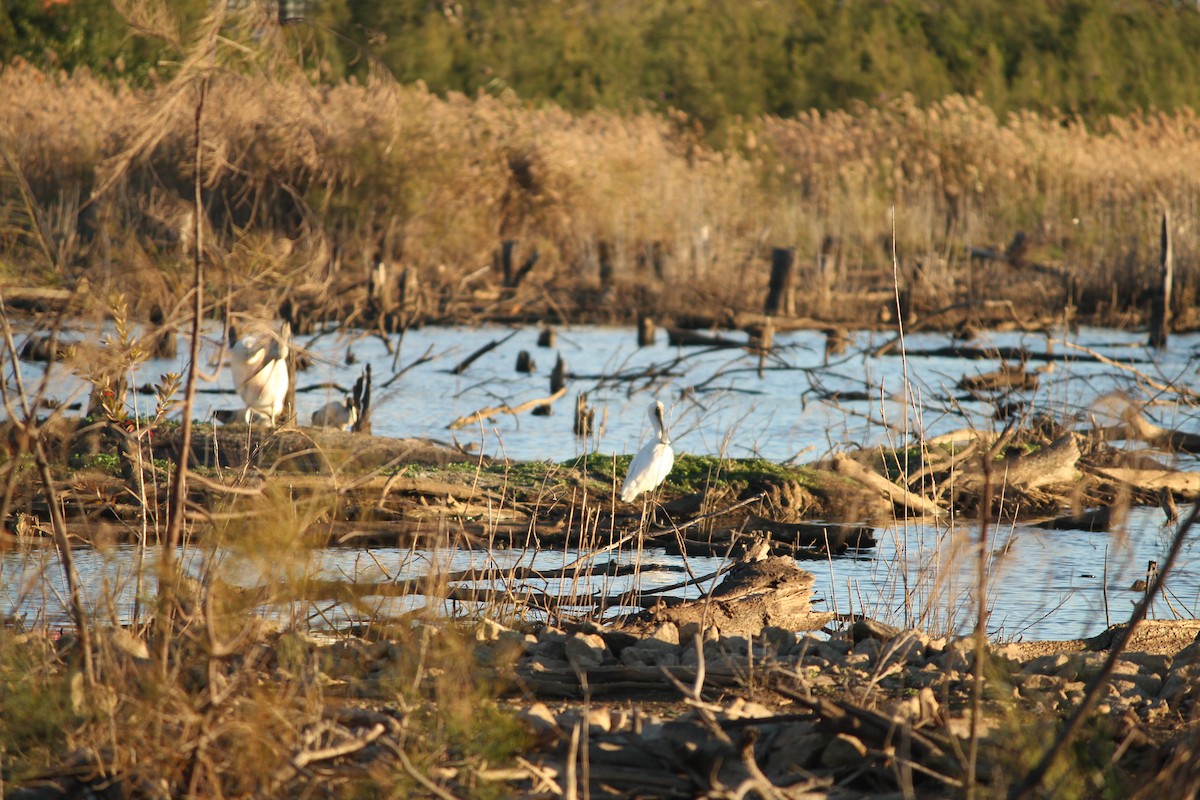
{"points": [[260, 371], [652, 463]]}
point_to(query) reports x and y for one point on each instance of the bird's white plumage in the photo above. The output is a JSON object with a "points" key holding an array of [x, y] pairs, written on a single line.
{"points": [[260, 372], [652, 463]]}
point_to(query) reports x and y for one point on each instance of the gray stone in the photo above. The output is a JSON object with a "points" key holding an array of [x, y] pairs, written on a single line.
{"points": [[585, 650], [780, 640], [1154, 709], [1150, 663], [541, 663], [650, 653], [666, 632], [1046, 665], [551, 643], [869, 648], [540, 721]]}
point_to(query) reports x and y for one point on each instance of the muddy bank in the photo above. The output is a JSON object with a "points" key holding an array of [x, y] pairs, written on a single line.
{"points": [[652, 707], [376, 490]]}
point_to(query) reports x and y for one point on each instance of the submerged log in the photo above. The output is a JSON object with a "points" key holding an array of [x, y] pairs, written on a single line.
{"points": [[1007, 378], [682, 337]]}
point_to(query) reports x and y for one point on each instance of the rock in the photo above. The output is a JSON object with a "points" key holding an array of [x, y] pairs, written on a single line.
{"points": [[741, 708], [585, 650], [666, 632], [541, 723], [488, 630], [1150, 663], [1154, 709], [541, 663], [125, 642], [1046, 665], [796, 746], [1179, 684], [869, 648], [597, 720], [650, 653], [843, 752], [551, 643], [779, 640], [1036, 683]]}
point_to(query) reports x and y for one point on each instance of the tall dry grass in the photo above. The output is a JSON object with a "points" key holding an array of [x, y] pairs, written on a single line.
{"points": [[329, 175]]}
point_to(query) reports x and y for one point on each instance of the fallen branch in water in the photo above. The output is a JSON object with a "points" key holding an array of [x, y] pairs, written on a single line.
{"points": [[494, 411]]}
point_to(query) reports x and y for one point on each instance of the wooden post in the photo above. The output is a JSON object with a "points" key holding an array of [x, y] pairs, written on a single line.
{"points": [[585, 417], [525, 362], [1160, 313], [504, 259], [1017, 253], [827, 267], [558, 382], [646, 330], [164, 345], [762, 336], [558, 378], [781, 296], [604, 256], [547, 338]]}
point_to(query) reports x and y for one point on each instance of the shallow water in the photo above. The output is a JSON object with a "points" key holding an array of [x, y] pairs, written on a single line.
{"points": [[1051, 584], [717, 401]]}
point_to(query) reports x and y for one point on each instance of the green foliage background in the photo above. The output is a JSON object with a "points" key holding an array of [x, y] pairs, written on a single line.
{"points": [[714, 59]]}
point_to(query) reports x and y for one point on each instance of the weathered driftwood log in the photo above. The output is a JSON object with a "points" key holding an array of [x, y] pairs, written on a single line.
{"points": [[1182, 485], [1136, 426], [753, 595], [1053, 464], [845, 465], [504, 408]]}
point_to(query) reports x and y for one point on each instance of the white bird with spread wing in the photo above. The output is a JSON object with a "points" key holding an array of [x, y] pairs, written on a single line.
{"points": [[260, 370], [652, 463]]}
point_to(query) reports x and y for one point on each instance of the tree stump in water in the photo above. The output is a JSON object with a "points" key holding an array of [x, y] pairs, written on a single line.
{"points": [[646, 331], [781, 295], [525, 362], [585, 417]]}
